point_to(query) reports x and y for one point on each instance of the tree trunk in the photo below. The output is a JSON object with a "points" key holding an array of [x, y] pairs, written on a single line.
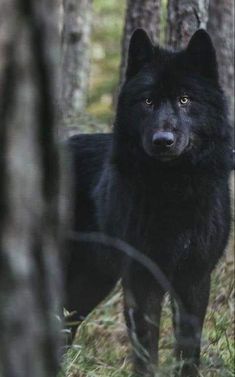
{"points": [[75, 57], [144, 14], [184, 18], [30, 280], [221, 29]]}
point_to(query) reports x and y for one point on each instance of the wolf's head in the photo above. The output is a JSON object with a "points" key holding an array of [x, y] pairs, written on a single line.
{"points": [[171, 106]]}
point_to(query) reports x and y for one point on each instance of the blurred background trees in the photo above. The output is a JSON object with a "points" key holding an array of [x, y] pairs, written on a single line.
{"points": [[76, 35], [169, 23]]}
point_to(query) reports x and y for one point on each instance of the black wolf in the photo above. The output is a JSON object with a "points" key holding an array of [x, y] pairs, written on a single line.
{"points": [[159, 183]]}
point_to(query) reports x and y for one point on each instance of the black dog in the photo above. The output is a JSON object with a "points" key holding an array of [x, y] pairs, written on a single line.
{"points": [[159, 183]]}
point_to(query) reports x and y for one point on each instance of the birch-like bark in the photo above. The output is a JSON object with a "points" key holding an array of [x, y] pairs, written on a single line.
{"points": [[30, 279], [75, 57]]}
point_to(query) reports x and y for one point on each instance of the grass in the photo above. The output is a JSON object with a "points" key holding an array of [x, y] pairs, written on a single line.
{"points": [[102, 347]]}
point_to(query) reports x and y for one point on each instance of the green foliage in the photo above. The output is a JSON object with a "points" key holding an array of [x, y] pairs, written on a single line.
{"points": [[108, 20]]}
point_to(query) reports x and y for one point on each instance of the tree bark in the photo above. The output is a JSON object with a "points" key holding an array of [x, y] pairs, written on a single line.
{"points": [[184, 18], [221, 29], [140, 14], [75, 56], [30, 279]]}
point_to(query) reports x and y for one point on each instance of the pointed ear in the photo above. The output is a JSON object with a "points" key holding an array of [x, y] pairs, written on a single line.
{"points": [[140, 52], [202, 55]]}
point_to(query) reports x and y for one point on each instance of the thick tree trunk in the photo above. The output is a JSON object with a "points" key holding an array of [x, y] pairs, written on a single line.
{"points": [[221, 29], [184, 18], [30, 281], [144, 14], [75, 56]]}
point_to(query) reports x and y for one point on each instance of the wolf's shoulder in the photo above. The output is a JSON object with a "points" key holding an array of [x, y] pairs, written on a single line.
{"points": [[87, 154], [89, 143]]}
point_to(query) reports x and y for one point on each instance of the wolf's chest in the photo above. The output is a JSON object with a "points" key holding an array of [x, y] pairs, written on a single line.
{"points": [[175, 216]]}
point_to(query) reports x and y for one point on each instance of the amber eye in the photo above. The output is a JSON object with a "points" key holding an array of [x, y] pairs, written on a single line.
{"points": [[149, 101], [184, 100]]}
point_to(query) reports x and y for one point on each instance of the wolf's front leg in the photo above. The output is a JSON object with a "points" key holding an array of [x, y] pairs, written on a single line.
{"points": [[142, 309], [189, 316]]}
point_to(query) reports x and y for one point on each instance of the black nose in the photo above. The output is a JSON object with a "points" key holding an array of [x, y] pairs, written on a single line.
{"points": [[163, 139]]}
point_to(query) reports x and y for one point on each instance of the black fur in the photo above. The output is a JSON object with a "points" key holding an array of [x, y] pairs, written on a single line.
{"points": [[169, 201]]}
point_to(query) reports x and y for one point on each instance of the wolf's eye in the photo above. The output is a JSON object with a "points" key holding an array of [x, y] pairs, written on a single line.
{"points": [[149, 101], [184, 100]]}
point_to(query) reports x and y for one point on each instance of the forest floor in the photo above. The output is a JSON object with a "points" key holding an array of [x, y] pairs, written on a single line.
{"points": [[102, 347]]}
